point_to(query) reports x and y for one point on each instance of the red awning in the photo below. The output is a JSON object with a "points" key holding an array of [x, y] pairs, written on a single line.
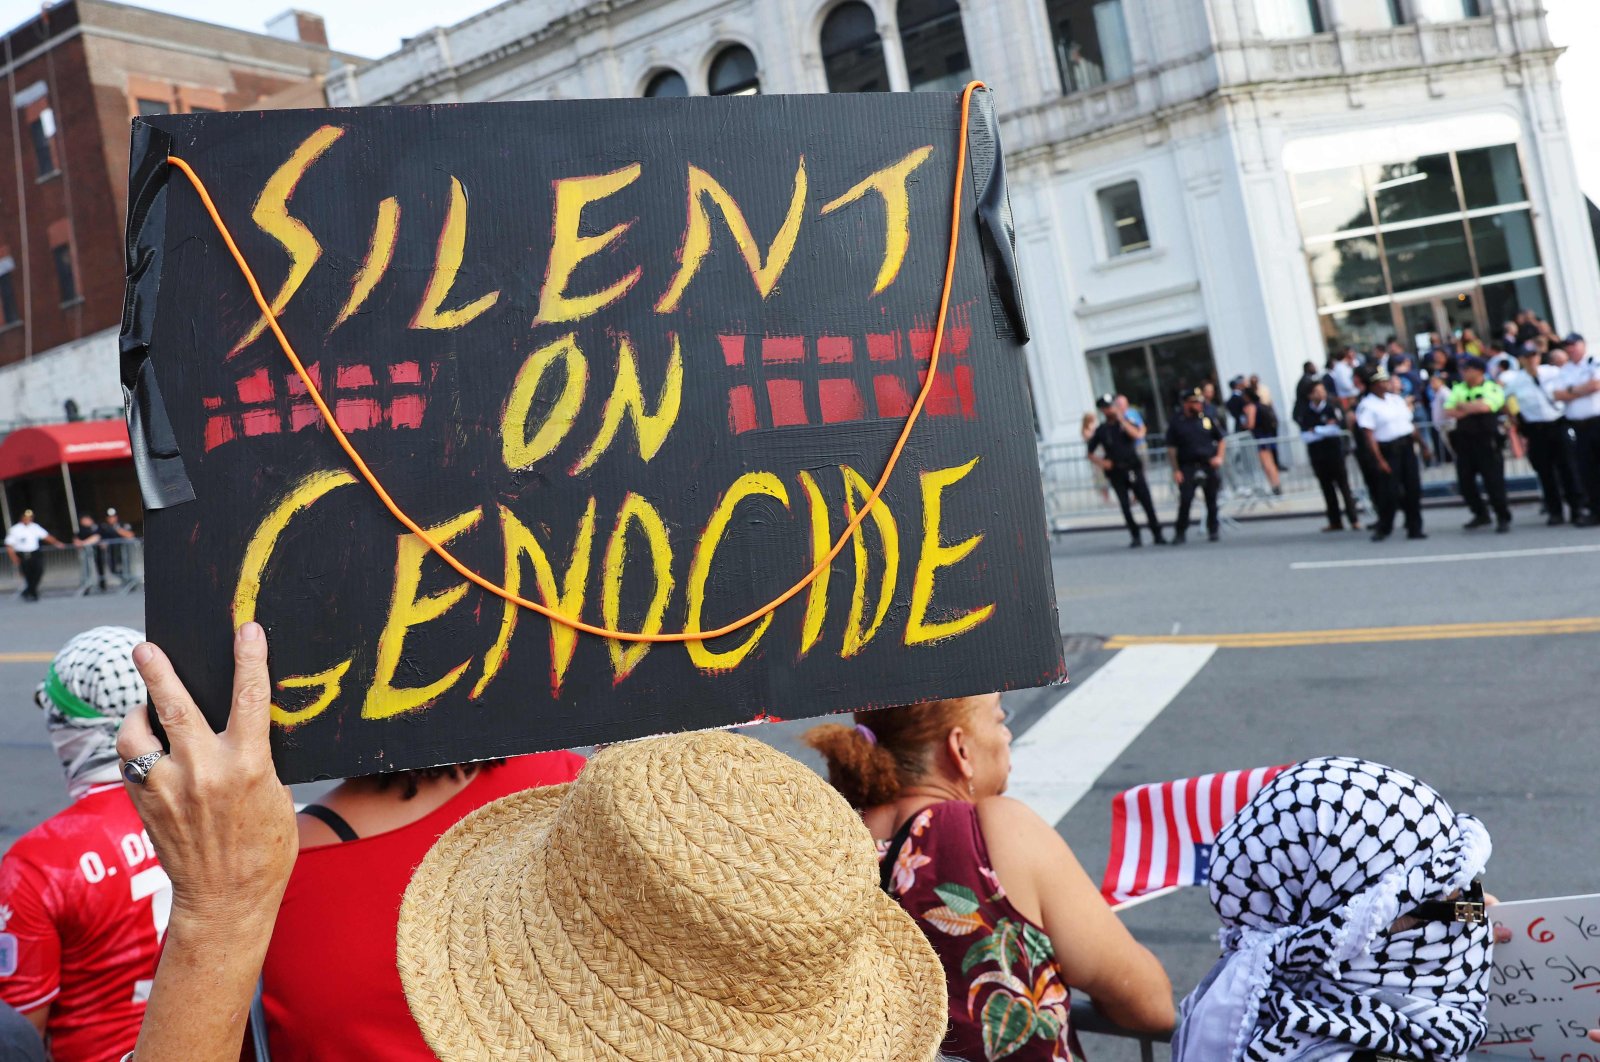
{"points": [[29, 450]]}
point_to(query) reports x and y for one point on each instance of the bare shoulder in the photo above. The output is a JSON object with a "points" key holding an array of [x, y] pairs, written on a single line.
{"points": [[1008, 820], [314, 833]]}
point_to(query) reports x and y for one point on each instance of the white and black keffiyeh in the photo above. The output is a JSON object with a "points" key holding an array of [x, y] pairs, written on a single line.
{"points": [[91, 686], [1309, 880]]}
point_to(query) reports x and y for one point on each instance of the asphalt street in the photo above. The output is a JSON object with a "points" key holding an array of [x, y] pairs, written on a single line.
{"points": [[1466, 659]]}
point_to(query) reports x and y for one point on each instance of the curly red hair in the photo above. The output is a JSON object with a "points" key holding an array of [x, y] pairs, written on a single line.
{"points": [[872, 771]]}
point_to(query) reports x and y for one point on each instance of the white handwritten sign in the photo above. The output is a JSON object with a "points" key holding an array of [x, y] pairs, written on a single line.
{"points": [[1544, 994]]}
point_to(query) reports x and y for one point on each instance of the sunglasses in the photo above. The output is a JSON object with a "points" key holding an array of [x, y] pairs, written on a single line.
{"points": [[1468, 907]]}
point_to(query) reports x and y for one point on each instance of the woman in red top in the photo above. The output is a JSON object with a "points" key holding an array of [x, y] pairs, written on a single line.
{"points": [[1007, 907], [330, 986]]}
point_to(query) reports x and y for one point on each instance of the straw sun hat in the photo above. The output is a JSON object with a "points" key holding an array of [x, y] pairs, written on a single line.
{"points": [[692, 897]]}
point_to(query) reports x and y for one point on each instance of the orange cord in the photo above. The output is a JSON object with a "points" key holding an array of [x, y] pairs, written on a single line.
{"points": [[570, 621]]}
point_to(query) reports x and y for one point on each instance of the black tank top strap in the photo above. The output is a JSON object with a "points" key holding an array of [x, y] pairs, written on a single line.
{"points": [[333, 820]]}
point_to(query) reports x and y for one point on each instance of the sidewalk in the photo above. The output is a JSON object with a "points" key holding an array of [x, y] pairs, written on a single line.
{"points": [[1520, 492]]}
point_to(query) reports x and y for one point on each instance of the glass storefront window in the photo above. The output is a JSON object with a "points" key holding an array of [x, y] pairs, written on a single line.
{"points": [[1362, 329], [1504, 242], [1491, 177], [1130, 375], [1502, 300], [1182, 363], [1409, 191], [1332, 201], [1427, 256], [1424, 278], [1152, 373], [1347, 270]]}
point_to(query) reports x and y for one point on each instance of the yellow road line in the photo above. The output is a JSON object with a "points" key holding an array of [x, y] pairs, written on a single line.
{"points": [[1360, 635], [26, 658]]}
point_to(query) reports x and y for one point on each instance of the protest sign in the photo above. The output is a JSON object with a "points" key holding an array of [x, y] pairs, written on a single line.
{"points": [[1544, 992], [637, 362]]}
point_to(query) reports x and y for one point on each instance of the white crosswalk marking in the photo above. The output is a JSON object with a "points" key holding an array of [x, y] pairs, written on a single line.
{"points": [[1058, 760]]}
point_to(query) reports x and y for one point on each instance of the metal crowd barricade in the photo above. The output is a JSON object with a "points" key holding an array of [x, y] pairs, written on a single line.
{"points": [[1076, 495], [1248, 491], [76, 567], [1075, 492]]}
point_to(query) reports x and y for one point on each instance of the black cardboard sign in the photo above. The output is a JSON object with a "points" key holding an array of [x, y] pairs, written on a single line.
{"points": [[637, 360]]}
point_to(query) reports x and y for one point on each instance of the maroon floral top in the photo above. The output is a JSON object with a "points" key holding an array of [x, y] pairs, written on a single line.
{"points": [[1007, 998]]}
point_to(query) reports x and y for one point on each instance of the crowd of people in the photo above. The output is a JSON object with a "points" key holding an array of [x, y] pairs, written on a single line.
{"points": [[101, 546], [695, 896], [1467, 401], [1457, 400]]}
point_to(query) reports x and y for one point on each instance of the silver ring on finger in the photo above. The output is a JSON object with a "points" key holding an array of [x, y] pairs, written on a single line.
{"points": [[137, 769]]}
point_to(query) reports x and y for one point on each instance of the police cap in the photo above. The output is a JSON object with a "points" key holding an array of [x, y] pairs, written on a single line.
{"points": [[1472, 361]]}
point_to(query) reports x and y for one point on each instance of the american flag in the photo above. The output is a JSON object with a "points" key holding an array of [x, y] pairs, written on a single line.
{"points": [[1162, 832]]}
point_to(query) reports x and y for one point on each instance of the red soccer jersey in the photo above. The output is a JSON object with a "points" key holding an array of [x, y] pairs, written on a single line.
{"points": [[83, 906], [331, 989]]}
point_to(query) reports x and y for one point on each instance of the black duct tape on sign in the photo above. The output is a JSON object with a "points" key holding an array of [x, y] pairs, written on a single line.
{"points": [[996, 230], [157, 462]]}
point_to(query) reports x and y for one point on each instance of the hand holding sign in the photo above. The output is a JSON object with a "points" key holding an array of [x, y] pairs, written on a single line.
{"points": [[1544, 994]]}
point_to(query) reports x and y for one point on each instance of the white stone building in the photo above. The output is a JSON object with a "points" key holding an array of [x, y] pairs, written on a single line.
{"points": [[1201, 187]]}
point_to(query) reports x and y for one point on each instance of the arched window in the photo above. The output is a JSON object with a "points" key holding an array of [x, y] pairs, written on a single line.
{"points": [[852, 51], [666, 83], [935, 46], [733, 72]]}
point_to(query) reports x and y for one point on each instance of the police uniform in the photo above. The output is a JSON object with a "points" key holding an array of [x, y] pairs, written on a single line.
{"points": [[1193, 439], [1126, 474], [24, 541], [1583, 413], [1322, 429], [1543, 422], [1476, 441], [1388, 419]]}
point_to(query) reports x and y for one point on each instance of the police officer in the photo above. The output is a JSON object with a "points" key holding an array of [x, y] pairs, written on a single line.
{"points": [[1543, 423], [1117, 439], [1390, 437], [1195, 446], [1474, 407], [23, 543], [1322, 429], [1579, 387]]}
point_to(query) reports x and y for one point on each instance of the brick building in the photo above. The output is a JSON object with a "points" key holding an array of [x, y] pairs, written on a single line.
{"points": [[74, 76]]}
